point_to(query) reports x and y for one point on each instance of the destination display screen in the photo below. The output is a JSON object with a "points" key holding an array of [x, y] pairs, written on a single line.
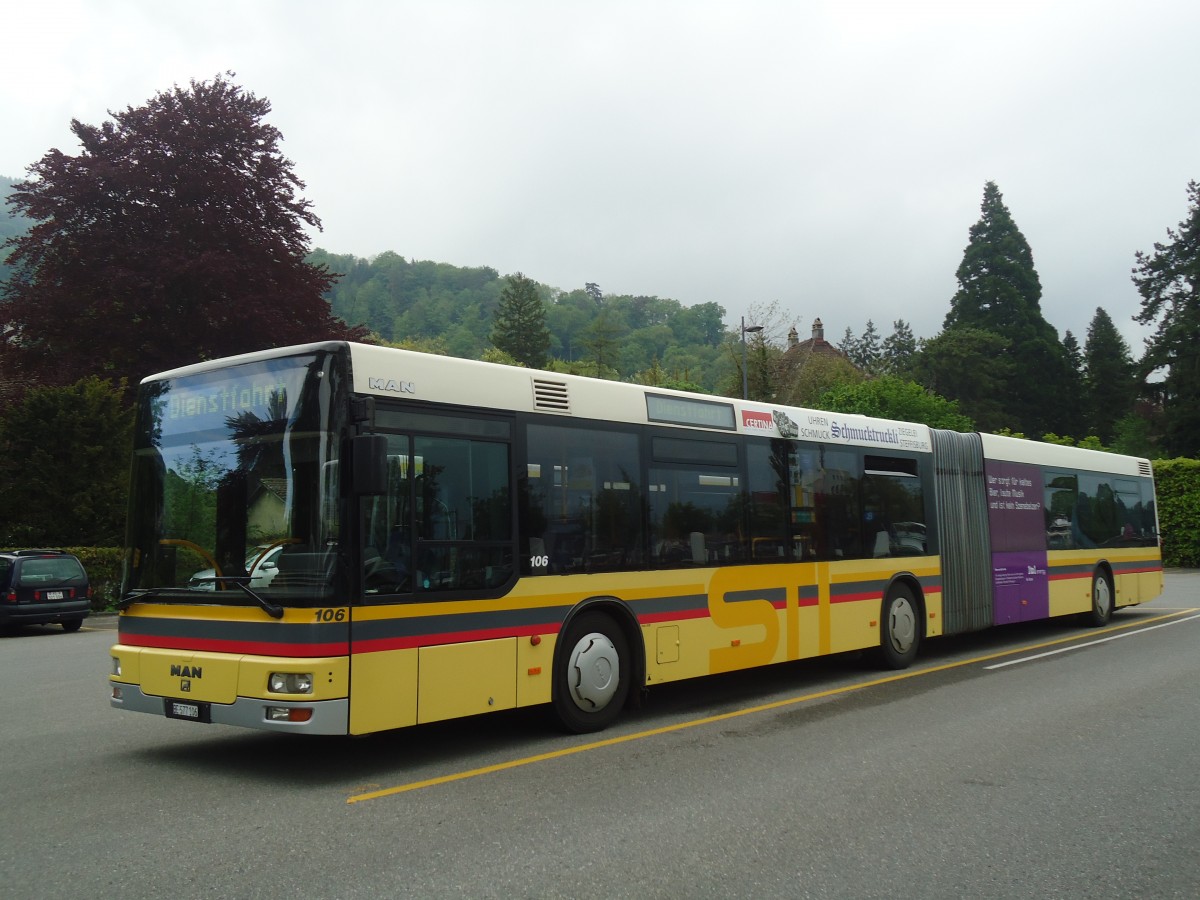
{"points": [[685, 411]]}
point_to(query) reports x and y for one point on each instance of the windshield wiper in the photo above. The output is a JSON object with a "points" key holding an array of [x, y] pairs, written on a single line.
{"points": [[274, 610], [137, 596]]}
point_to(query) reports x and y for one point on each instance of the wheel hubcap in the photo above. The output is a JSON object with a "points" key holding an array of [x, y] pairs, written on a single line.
{"points": [[594, 671], [1101, 596], [902, 624]]}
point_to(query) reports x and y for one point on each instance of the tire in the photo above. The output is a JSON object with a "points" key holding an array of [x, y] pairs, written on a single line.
{"points": [[70, 625], [899, 628], [592, 674], [1102, 600]]}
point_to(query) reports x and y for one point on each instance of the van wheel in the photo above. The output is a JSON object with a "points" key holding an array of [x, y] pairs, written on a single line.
{"points": [[70, 625], [591, 680]]}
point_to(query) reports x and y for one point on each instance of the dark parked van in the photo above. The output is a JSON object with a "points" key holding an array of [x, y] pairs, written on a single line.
{"points": [[40, 587]]}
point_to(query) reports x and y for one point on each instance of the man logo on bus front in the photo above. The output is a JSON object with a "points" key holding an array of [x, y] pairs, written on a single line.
{"points": [[391, 384]]}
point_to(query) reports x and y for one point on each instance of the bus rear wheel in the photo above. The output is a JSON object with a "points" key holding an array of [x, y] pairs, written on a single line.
{"points": [[1102, 600], [899, 628], [591, 680]]}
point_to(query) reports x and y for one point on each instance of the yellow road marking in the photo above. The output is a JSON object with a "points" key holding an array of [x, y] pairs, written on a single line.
{"points": [[738, 713]]}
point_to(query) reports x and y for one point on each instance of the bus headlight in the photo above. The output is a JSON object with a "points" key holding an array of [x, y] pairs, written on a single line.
{"points": [[116, 666], [290, 683]]}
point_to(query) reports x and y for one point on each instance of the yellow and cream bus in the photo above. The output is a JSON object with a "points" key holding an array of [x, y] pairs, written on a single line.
{"points": [[341, 539]]}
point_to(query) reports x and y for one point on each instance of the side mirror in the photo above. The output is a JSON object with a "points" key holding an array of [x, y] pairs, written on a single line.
{"points": [[369, 459]]}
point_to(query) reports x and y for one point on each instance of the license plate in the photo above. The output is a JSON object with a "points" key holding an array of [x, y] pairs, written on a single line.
{"points": [[187, 709], [54, 595]]}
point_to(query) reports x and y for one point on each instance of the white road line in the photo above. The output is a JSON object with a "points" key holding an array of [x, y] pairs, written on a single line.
{"points": [[1111, 637]]}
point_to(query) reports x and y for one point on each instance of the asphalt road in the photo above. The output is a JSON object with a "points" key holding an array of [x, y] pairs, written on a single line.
{"points": [[1071, 770]]}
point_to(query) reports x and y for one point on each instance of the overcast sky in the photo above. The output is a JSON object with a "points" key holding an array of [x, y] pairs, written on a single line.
{"points": [[827, 156]]}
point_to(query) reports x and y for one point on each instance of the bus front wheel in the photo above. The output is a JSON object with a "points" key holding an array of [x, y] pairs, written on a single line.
{"points": [[1102, 600], [899, 628], [591, 681]]}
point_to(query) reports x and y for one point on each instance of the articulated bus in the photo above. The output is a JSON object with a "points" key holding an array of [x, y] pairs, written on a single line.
{"points": [[342, 539]]}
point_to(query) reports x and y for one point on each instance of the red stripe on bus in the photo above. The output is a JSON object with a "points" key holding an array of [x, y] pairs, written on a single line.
{"points": [[257, 648], [674, 616], [409, 642], [1119, 570], [860, 595]]}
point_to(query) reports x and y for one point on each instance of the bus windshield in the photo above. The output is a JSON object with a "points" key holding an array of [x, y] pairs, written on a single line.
{"points": [[235, 483]]}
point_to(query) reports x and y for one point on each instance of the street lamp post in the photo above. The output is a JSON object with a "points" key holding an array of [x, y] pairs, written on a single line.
{"points": [[747, 329]]}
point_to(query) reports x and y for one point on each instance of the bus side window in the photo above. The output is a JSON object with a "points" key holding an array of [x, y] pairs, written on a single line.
{"points": [[774, 506], [893, 507], [696, 518], [387, 545], [581, 504], [463, 514], [836, 508], [1058, 504]]}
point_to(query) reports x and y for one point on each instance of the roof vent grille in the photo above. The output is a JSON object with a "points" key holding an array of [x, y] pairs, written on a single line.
{"points": [[551, 395], [1144, 468]]}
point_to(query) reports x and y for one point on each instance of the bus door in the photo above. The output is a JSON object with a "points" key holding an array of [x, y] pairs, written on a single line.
{"points": [[443, 531]]}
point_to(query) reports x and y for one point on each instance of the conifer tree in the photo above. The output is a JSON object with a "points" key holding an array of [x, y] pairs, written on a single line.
{"points": [[849, 345], [519, 328], [971, 366], [1074, 419], [866, 351], [1071, 348], [1169, 281], [602, 340], [869, 350], [898, 351], [1110, 382], [999, 292]]}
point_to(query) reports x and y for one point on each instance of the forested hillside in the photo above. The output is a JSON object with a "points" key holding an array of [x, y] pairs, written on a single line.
{"points": [[10, 225], [440, 307]]}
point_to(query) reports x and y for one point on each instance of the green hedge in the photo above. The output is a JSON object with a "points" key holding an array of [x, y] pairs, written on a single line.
{"points": [[103, 566], [1178, 485]]}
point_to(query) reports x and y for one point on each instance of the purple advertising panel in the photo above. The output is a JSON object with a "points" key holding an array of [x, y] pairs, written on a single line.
{"points": [[1018, 529], [1021, 588]]}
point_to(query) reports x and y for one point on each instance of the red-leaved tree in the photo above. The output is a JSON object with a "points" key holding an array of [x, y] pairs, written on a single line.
{"points": [[175, 235]]}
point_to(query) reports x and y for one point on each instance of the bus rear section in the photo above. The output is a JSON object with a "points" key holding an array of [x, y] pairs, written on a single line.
{"points": [[1032, 531]]}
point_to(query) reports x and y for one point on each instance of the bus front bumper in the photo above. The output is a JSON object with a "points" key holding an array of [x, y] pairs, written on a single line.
{"points": [[318, 717]]}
